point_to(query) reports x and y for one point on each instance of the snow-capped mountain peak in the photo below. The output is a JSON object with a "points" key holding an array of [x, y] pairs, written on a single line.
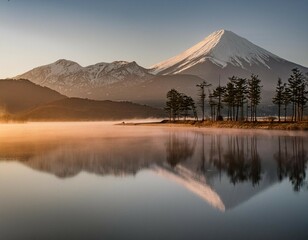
{"points": [[221, 48], [67, 76]]}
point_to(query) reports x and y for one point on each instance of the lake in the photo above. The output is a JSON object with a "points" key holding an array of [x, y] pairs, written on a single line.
{"points": [[101, 181]]}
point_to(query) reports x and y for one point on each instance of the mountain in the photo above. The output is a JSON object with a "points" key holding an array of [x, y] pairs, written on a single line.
{"points": [[221, 55], [117, 81], [19, 95], [224, 54], [78, 109], [71, 79]]}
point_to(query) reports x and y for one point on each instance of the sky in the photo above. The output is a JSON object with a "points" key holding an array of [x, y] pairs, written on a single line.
{"points": [[39, 32]]}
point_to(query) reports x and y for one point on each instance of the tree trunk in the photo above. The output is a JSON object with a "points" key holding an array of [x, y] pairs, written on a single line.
{"points": [[256, 113], [279, 112]]}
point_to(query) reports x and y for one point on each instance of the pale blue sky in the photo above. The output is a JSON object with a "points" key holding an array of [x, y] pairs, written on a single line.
{"points": [[37, 32]]}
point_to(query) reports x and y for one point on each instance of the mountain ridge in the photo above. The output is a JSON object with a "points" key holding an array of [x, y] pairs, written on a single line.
{"points": [[67, 76], [220, 55]]}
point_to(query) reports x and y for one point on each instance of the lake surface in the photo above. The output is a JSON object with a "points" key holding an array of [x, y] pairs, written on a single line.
{"points": [[101, 181]]}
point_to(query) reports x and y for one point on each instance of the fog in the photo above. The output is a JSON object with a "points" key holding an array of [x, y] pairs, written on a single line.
{"points": [[60, 131], [207, 162], [113, 142]]}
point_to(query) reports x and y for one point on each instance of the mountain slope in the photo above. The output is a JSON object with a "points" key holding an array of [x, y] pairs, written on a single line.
{"points": [[70, 78], [152, 92], [24, 100], [19, 95], [226, 54], [77, 109]]}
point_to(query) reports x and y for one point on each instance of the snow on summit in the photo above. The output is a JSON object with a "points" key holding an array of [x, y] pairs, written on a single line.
{"points": [[221, 48], [67, 76]]}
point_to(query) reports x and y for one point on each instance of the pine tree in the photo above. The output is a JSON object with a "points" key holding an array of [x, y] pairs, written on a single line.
{"points": [[240, 90], [295, 82], [173, 104], [194, 109], [302, 97], [229, 99], [218, 94], [254, 95], [187, 104], [179, 104], [278, 98], [286, 99]]}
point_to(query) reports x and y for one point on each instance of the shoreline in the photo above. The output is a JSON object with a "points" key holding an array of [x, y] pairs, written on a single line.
{"points": [[300, 126], [263, 125]]}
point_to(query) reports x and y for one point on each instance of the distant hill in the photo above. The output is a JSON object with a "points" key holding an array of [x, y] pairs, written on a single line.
{"points": [[24, 100], [77, 109], [20, 95]]}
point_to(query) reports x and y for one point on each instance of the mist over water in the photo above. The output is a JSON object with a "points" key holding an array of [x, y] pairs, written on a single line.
{"points": [[98, 180]]}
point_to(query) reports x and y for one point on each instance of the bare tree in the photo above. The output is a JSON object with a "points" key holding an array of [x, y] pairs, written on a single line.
{"points": [[202, 95]]}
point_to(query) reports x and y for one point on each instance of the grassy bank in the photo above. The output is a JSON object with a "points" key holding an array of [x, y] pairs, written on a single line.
{"points": [[229, 124]]}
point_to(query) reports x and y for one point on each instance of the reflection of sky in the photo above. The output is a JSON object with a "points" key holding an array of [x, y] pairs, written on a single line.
{"points": [[40, 32]]}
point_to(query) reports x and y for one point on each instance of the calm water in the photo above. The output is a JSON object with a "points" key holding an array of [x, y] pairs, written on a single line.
{"points": [[100, 181]]}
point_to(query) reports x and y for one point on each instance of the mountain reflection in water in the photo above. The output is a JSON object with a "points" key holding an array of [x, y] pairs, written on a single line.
{"points": [[237, 167], [224, 168]]}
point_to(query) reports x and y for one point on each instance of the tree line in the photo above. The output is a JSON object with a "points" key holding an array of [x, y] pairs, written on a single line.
{"points": [[293, 92], [180, 105], [241, 98]]}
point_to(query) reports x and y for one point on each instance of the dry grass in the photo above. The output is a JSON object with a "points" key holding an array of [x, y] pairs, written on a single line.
{"points": [[238, 125]]}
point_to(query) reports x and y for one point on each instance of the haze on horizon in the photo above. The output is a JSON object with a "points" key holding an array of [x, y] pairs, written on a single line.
{"points": [[40, 32]]}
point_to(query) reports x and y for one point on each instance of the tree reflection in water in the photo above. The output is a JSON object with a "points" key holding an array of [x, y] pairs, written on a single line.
{"points": [[179, 148], [291, 160], [238, 156], [240, 160]]}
